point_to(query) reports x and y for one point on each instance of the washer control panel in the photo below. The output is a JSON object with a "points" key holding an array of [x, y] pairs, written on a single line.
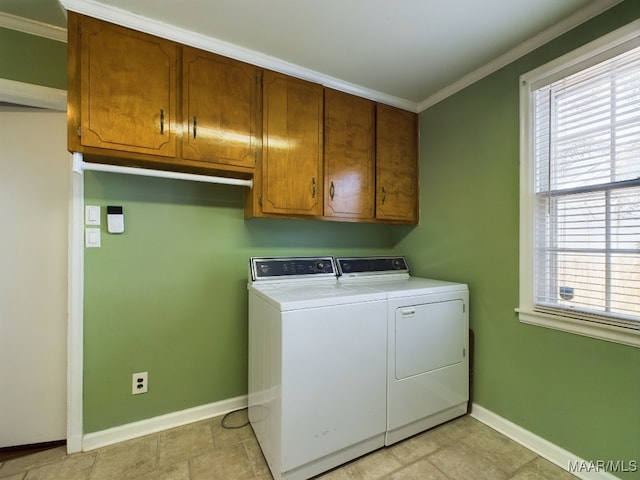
{"points": [[291, 267], [371, 265]]}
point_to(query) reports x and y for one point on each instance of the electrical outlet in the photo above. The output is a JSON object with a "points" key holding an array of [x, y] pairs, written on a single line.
{"points": [[140, 383]]}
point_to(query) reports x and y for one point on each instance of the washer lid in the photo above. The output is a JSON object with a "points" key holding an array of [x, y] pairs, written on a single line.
{"points": [[305, 295]]}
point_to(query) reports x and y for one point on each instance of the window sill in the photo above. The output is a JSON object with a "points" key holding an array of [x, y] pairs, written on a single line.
{"points": [[624, 336]]}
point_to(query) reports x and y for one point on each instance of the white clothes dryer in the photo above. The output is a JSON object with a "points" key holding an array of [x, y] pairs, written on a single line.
{"points": [[317, 368], [428, 343]]}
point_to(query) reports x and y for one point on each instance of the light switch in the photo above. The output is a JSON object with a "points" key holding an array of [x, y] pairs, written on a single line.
{"points": [[92, 215], [92, 237]]}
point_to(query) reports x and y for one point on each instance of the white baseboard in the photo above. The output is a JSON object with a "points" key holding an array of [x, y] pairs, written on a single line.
{"points": [[539, 445], [94, 440]]}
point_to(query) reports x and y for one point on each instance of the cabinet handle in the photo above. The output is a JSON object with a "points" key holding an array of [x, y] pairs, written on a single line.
{"points": [[195, 126], [384, 195], [332, 190], [161, 122], [313, 187]]}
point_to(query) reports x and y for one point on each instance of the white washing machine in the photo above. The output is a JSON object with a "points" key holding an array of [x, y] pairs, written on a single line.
{"points": [[428, 343], [317, 368]]}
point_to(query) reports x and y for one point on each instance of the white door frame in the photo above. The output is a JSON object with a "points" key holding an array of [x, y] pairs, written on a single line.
{"points": [[39, 96]]}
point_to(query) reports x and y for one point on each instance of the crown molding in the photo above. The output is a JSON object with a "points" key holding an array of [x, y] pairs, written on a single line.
{"points": [[592, 10], [33, 27], [203, 42], [127, 19]]}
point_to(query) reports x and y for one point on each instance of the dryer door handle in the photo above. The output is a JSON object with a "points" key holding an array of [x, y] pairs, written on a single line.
{"points": [[409, 312]]}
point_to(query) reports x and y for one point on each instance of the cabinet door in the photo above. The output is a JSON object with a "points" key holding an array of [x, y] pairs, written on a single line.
{"points": [[220, 109], [396, 165], [292, 146], [128, 89], [349, 155]]}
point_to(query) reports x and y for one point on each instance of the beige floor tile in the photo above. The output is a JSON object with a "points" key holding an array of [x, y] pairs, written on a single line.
{"points": [[415, 447], [461, 462], [179, 471], [374, 466], [17, 476], [501, 451], [129, 459], [337, 474], [225, 437], [541, 469], [22, 464], [183, 443], [422, 469], [455, 430], [73, 467], [229, 463], [463, 449], [258, 462]]}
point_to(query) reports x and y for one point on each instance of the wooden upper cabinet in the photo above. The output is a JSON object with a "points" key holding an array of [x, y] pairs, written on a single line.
{"points": [[396, 165], [127, 88], [292, 146], [220, 107], [349, 156]]}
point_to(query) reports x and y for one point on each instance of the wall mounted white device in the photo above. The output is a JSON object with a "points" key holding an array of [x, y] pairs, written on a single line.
{"points": [[115, 219]]}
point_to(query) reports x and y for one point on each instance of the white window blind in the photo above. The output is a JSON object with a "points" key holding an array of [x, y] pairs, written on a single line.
{"points": [[586, 238]]}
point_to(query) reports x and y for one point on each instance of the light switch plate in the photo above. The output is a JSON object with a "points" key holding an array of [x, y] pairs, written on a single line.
{"points": [[92, 237], [92, 215]]}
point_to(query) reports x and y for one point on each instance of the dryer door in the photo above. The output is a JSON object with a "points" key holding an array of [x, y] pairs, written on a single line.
{"points": [[428, 337]]}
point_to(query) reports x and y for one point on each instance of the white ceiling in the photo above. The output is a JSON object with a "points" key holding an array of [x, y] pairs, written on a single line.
{"points": [[403, 52]]}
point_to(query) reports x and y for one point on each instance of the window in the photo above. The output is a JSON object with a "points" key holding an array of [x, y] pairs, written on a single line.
{"points": [[580, 191]]}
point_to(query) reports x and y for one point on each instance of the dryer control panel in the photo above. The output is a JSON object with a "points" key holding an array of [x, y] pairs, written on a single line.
{"points": [[372, 265]]}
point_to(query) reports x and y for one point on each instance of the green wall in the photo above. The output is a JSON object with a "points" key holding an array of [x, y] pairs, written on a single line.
{"points": [[169, 295], [31, 59], [579, 393]]}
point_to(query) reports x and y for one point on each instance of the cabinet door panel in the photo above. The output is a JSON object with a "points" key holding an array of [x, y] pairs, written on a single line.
{"points": [[396, 164], [292, 146], [349, 155], [128, 89], [220, 109]]}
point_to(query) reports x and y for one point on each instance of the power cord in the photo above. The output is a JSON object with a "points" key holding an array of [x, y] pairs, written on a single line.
{"points": [[224, 419]]}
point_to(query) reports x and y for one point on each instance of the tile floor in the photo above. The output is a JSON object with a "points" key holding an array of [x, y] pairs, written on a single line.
{"points": [[461, 449]]}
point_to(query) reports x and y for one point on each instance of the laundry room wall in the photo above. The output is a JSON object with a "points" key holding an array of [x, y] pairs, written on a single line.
{"points": [[579, 393], [169, 296]]}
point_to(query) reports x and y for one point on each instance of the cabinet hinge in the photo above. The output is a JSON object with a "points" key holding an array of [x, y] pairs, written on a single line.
{"points": [[464, 352], [260, 200], [79, 131]]}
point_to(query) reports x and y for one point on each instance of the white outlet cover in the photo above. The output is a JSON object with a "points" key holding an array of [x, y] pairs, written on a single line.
{"points": [[137, 379]]}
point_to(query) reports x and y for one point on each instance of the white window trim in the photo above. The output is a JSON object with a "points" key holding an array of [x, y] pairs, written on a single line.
{"points": [[561, 66]]}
